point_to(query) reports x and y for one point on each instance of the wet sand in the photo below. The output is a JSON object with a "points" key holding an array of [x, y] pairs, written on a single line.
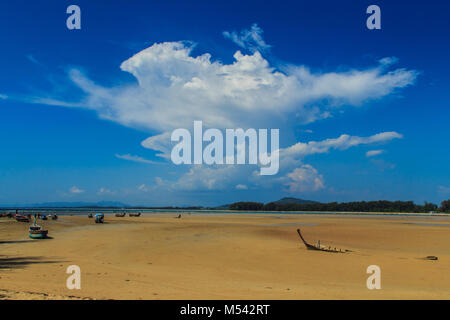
{"points": [[227, 256]]}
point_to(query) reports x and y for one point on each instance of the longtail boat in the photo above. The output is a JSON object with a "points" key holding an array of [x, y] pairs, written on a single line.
{"points": [[21, 218], [35, 231], [120, 214], [318, 247], [134, 214], [6, 214]]}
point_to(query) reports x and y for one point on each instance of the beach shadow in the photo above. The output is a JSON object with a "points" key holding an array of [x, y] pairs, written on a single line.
{"points": [[14, 241], [24, 241], [22, 262], [46, 238]]}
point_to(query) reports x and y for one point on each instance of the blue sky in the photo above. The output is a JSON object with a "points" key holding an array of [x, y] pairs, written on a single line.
{"points": [[76, 126]]}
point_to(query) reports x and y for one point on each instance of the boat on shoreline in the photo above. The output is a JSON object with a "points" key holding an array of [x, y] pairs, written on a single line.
{"points": [[21, 218], [120, 214], [35, 231], [99, 217], [134, 214]]}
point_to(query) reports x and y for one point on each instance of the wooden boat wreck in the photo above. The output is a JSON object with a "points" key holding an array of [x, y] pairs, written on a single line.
{"points": [[134, 214], [35, 231], [319, 247]]}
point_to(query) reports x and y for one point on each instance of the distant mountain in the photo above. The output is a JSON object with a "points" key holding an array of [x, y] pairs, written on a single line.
{"points": [[103, 204], [288, 200], [285, 200]]}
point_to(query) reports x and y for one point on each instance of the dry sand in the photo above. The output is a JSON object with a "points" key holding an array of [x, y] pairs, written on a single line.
{"points": [[227, 256]]}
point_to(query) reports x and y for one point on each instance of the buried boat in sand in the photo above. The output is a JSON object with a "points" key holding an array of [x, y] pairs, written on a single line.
{"points": [[35, 231], [318, 247]]}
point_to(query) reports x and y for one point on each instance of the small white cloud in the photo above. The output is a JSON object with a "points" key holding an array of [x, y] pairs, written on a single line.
{"points": [[373, 153], [248, 39], [383, 165], [387, 61], [305, 178], [104, 191], [143, 188], [76, 190], [3, 96], [32, 59], [344, 142], [241, 187], [200, 177], [133, 158], [160, 142], [444, 190]]}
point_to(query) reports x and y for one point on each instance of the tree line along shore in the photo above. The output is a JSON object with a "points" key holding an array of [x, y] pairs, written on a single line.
{"points": [[357, 206]]}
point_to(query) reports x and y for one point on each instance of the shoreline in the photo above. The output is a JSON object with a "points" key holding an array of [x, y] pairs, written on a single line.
{"points": [[107, 211]]}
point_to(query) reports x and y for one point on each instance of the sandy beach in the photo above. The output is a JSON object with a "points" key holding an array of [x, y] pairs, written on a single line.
{"points": [[227, 256]]}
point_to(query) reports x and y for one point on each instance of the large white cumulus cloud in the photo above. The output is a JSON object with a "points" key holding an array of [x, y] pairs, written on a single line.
{"points": [[174, 88]]}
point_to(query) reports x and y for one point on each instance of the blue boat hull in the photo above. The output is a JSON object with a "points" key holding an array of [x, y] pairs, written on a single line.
{"points": [[40, 235]]}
